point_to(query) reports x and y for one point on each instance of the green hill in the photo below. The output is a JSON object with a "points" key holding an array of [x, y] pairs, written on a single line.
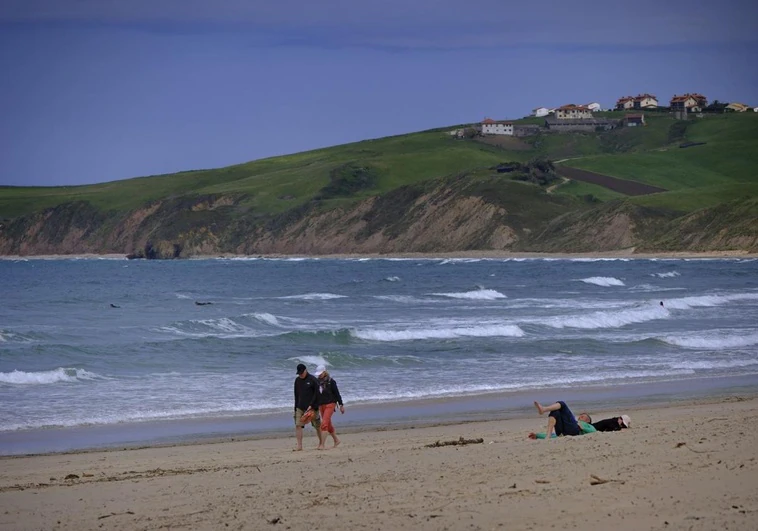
{"points": [[241, 207]]}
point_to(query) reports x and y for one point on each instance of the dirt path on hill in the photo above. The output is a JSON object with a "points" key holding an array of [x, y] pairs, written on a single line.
{"points": [[612, 183]]}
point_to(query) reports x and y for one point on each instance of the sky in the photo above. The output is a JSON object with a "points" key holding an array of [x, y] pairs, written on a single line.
{"points": [[100, 90]]}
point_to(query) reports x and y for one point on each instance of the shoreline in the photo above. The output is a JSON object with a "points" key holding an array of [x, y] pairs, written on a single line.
{"points": [[682, 466], [488, 254], [363, 417]]}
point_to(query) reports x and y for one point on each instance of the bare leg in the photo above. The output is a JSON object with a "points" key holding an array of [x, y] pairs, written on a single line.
{"points": [[546, 409], [336, 439], [321, 438], [299, 436], [550, 427]]}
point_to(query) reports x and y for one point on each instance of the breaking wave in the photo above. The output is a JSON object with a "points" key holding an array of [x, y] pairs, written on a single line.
{"points": [[602, 281], [60, 374], [714, 340], [439, 333], [480, 294]]}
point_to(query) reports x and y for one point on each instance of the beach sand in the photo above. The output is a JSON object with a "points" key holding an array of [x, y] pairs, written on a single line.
{"points": [[679, 467]]}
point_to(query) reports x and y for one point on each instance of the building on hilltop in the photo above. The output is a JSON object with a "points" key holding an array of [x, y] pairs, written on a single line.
{"points": [[495, 127], [625, 103], [737, 107], [645, 101], [684, 103], [573, 112], [594, 106], [634, 120], [539, 112], [556, 125]]}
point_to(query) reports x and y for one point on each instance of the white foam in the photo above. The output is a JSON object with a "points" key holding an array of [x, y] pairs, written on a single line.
{"points": [[607, 319], [265, 318], [398, 298], [602, 281], [714, 340], [60, 374], [392, 279], [224, 324], [669, 274], [439, 333], [715, 364], [704, 301], [480, 294], [315, 296]]}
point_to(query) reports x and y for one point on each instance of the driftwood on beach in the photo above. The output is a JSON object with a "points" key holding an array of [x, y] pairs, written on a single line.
{"points": [[458, 442]]}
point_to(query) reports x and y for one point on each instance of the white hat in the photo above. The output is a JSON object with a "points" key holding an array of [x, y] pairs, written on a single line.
{"points": [[626, 421], [319, 370]]}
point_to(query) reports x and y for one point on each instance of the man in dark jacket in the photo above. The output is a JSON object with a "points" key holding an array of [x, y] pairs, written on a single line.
{"points": [[306, 401]]}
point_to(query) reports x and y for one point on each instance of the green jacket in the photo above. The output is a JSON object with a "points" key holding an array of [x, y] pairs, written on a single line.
{"points": [[583, 426]]}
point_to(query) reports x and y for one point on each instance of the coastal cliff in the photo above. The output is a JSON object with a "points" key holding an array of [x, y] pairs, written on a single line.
{"points": [[630, 189]]}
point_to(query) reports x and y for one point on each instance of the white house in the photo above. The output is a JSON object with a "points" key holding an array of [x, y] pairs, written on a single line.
{"points": [[645, 101], [627, 102], [494, 127], [594, 106], [572, 112], [540, 112]]}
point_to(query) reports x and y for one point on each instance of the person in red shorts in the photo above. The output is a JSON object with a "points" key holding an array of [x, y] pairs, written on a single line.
{"points": [[329, 399]]}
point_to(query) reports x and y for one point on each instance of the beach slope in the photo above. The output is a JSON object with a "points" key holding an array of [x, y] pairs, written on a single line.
{"points": [[679, 467]]}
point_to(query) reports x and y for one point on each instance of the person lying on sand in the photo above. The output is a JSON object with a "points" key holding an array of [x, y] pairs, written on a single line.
{"points": [[611, 424], [560, 421]]}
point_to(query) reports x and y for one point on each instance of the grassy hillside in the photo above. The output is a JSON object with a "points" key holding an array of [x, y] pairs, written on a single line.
{"points": [[722, 169]]}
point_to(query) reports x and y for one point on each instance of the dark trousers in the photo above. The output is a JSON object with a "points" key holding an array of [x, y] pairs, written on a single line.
{"points": [[565, 422]]}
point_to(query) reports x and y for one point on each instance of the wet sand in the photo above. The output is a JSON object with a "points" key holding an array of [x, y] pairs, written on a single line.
{"points": [[688, 466]]}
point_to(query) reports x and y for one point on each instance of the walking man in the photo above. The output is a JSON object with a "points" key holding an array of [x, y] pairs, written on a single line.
{"points": [[306, 403]]}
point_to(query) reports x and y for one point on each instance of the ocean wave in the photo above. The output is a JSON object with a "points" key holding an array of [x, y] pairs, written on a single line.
{"points": [[669, 274], [314, 296], [704, 301], [480, 294], [714, 340], [712, 364], [602, 281], [439, 333], [607, 319], [398, 298], [60, 374], [391, 279], [264, 317]]}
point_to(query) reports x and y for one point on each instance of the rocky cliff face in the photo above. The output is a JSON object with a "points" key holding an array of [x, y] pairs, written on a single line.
{"points": [[452, 215]]}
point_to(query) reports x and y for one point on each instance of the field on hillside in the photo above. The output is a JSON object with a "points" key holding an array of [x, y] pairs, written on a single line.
{"points": [[722, 169]]}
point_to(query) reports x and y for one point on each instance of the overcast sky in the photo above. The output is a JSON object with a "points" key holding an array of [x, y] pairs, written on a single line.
{"points": [[95, 90]]}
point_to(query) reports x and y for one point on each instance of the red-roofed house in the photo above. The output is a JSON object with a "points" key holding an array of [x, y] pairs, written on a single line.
{"points": [[686, 102], [627, 102], [495, 127], [573, 112], [645, 101]]}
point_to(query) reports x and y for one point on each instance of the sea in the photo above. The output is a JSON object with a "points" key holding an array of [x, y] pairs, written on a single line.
{"points": [[111, 352]]}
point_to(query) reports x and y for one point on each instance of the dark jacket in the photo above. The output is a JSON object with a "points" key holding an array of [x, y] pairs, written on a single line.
{"points": [[607, 424], [329, 393], [306, 392]]}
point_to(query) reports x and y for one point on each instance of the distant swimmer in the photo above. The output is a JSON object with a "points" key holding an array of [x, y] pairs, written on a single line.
{"points": [[661, 303], [199, 303], [114, 306]]}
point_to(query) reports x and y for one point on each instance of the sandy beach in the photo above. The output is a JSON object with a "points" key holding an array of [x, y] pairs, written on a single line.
{"points": [[689, 466]]}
